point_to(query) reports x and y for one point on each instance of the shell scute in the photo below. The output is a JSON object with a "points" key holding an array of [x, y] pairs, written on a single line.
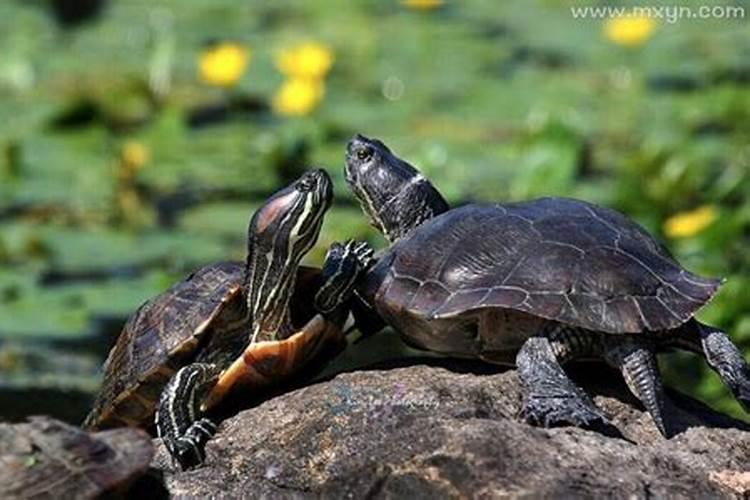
{"points": [[427, 296], [158, 338], [505, 297], [556, 258]]}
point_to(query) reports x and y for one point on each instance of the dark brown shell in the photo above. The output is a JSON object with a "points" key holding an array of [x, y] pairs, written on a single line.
{"points": [[556, 258], [46, 458], [164, 334], [157, 340]]}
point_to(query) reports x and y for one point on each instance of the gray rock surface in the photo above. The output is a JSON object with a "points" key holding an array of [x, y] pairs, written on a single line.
{"points": [[44, 458], [430, 432]]}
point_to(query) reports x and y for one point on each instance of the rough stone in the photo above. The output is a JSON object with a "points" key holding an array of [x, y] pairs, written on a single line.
{"points": [[432, 432]]}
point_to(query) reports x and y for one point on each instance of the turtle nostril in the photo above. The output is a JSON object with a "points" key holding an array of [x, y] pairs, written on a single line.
{"points": [[356, 142]]}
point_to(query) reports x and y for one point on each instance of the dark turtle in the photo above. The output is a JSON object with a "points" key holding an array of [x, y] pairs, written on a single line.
{"points": [[46, 458], [537, 283], [229, 325]]}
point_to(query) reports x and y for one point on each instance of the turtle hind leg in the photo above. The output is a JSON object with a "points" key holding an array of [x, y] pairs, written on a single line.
{"points": [[721, 354], [553, 399], [179, 422], [640, 370]]}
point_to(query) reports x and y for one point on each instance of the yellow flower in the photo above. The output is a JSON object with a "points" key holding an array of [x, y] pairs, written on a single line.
{"points": [[629, 31], [687, 224], [422, 4], [309, 60], [298, 96], [133, 156], [223, 64]]}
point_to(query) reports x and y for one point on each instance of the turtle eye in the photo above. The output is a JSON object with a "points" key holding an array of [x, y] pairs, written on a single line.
{"points": [[306, 184], [364, 154]]}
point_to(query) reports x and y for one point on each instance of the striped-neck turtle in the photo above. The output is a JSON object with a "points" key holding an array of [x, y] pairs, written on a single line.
{"points": [[46, 458], [230, 325], [536, 283]]}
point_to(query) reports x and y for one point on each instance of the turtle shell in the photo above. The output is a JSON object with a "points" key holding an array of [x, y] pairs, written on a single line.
{"points": [[556, 258], [165, 334], [46, 458], [160, 338]]}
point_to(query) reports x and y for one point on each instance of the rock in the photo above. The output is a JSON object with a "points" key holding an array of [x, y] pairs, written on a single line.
{"points": [[47, 458], [737, 481], [430, 432]]}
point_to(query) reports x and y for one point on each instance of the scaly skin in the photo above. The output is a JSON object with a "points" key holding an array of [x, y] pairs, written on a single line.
{"points": [[182, 419]]}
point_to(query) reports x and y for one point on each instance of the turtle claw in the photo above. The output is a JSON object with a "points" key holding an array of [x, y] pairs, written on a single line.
{"points": [[362, 251], [566, 411], [189, 449], [742, 392], [737, 377], [344, 264], [188, 455]]}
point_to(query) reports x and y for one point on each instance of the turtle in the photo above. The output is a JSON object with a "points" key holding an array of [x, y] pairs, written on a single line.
{"points": [[534, 284], [231, 326], [46, 458]]}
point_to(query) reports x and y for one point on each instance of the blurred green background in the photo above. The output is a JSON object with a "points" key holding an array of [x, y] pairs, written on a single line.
{"points": [[137, 137]]}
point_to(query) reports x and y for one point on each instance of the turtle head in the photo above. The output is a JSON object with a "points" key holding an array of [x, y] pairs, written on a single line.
{"points": [[395, 196], [281, 232]]}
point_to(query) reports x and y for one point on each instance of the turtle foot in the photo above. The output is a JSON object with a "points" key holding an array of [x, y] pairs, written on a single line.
{"points": [[544, 411], [737, 377], [183, 434], [741, 390], [189, 449], [362, 251], [344, 263], [726, 358], [188, 453]]}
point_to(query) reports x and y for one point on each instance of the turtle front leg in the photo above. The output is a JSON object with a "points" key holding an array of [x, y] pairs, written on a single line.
{"points": [[343, 266], [640, 370], [179, 421], [553, 399]]}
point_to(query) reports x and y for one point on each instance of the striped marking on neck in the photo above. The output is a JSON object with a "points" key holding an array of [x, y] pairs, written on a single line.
{"points": [[277, 299]]}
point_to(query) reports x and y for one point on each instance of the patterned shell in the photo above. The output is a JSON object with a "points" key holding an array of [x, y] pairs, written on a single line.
{"points": [[46, 458], [157, 340], [556, 258]]}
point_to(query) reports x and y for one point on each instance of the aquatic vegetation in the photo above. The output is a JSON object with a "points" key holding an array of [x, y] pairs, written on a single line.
{"points": [[112, 187]]}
